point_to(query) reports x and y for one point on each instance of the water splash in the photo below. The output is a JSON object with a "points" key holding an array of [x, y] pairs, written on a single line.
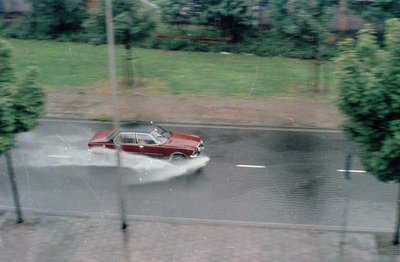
{"points": [[145, 169]]}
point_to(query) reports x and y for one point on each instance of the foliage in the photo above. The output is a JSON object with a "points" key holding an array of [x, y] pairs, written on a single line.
{"points": [[376, 11], [233, 18], [176, 44], [16, 28], [95, 26], [301, 21], [6, 95], [133, 22], [270, 43], [52, 18], [263, 43], [134, 25], [369, 82], [28, 102], [21, 100], [182, 11]]}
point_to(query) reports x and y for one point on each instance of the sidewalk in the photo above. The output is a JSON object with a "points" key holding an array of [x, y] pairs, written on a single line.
{"points": [[46, 237]]}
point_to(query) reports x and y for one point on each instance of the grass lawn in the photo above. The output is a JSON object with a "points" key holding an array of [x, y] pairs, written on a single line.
{"points": [[81, 67]]}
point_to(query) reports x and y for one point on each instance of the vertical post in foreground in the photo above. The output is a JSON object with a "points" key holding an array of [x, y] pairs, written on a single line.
{"points": [[113, 80], [14, 187], [396, 235], [346, 203]]}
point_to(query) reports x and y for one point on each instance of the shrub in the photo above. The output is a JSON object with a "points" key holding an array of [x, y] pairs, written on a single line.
{"points": [[197, 47], [152, 42], [176, 44], [56, 17], [14, 29], [77, 37]]}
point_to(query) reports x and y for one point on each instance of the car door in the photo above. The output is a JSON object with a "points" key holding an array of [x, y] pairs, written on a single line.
{"points": [[128, 142], [148, 146]]}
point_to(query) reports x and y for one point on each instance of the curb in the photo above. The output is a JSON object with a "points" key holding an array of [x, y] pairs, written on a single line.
{"points": [[192, 221], [210, 125]]}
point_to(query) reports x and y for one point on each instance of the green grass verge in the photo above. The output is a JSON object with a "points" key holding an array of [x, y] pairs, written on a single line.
{"points": [[81, 67]]}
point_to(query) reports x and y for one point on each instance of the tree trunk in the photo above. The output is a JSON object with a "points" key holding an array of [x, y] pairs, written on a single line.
{"points": [[326, 77], [317, 69], [128, 78], [14, 188], [139, 75], [396, 235]]}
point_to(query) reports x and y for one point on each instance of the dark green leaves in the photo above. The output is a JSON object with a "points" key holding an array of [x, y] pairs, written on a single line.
{"points": [[233, 18], [56, 17], [133, 21], [28, 102], [370, 98], [21, 102], [303, 20]]}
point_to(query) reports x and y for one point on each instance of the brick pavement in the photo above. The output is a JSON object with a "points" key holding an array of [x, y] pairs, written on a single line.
{"points": [[52, 237]]}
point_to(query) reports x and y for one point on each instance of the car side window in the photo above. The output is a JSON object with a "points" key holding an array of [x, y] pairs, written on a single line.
{"points": [[145, 139], [126, 138]]}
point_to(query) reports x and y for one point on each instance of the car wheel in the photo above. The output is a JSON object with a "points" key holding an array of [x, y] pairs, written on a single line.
{"points": [[178, 159]]}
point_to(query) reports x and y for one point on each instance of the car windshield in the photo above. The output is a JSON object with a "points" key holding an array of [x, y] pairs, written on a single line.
{"points": [[111, 136], [160, 134]]}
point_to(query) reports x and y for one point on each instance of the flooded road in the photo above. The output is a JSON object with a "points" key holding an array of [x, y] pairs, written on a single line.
{"points": [[245, 174]]}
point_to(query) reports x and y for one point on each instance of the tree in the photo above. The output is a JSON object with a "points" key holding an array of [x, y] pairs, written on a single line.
{"points": [[305, 23], [232, 17], [21, 103], [369, 84], [133, 23], [182, 11], [376, 11], [55, 17]]}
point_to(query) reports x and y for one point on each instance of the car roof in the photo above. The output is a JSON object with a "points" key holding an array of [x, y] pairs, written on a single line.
{"points": [[139, 126]]}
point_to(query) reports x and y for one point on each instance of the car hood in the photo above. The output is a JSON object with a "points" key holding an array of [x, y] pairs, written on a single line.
{"points": [[100, 137], [183, 140]]}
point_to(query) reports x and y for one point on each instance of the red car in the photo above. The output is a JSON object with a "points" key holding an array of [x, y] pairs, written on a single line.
{"points": [[149, 139]]}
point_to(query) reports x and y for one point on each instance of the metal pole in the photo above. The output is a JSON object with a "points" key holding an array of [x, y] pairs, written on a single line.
{"points": [[113, 80], [346, 203], [396, 235], [14, 187]]}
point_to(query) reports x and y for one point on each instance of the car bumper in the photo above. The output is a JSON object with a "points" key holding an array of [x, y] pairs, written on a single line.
{"points": [[199, 148], [96, 150]]}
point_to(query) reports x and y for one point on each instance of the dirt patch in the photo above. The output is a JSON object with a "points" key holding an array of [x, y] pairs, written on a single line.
{"points": [[274, 112]]}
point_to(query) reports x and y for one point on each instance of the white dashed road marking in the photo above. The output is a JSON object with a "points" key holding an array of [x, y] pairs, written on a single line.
{"points": [[352, 171], [59, 156], [251, 166]]}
